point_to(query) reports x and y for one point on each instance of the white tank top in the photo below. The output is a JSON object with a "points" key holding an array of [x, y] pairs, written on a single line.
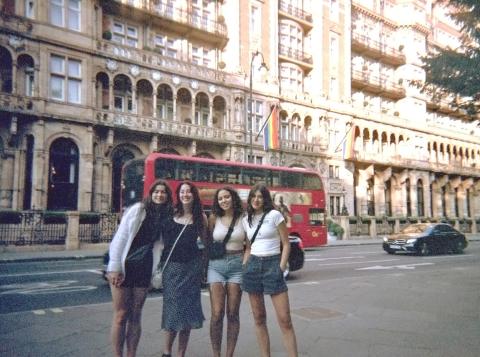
{"points": [[236, 239]]}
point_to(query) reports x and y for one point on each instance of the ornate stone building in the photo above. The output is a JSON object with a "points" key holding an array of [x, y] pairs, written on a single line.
{"points": [[87, 84]]}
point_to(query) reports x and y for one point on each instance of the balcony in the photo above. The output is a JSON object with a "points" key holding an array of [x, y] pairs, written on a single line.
{"points": [[151, 58], [15, 24], [181, 21], [20, 104], [304, 18], [375, 49], [298, 57], [165, 127], [379, 85]]}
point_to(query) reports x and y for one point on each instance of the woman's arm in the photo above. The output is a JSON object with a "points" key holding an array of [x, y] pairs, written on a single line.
{"points": [[283, 232], [246, 254]]}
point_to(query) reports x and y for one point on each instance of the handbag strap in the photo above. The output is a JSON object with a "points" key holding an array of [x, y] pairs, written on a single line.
{"points": [[174, 244], [230, 231], [258, 228]]}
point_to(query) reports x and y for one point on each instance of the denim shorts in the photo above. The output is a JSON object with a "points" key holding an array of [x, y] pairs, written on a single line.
{"points": [[226, 270], [263, 275]]}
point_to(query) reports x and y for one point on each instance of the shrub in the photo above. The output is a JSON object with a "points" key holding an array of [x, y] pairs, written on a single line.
{"points": [[335, 228]]}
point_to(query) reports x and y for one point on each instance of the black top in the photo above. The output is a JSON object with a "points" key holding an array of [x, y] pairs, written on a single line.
{"points": [[186, 248]]}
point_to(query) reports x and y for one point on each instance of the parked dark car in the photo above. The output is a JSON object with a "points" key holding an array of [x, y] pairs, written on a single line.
{"points": [[425, 239], [295, 261]]}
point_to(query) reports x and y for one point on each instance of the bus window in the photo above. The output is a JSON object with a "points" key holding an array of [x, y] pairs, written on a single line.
{"points": [[316, 216], [252, 176], [165, 169], [233, 176], [312, 182], [292, 179], [219, 173], [204, 173], [185, 170], [275, 178]]}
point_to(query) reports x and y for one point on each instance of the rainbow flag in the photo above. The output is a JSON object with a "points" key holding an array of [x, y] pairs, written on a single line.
{"points": [[349, 144], [271, 141]]}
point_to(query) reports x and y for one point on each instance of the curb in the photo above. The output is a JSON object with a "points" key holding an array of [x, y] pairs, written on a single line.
{"points": [[40, 259]]}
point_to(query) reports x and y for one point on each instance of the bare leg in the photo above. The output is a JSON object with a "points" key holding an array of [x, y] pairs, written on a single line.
{"points": [[183, 337], [282, 309], [169, 339], [234, 297], [134, 325], [257, 303], [217, 301], [121, 298]]}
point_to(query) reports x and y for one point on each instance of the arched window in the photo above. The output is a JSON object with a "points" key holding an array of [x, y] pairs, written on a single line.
{"points": [[63, 175], [119, 157]]}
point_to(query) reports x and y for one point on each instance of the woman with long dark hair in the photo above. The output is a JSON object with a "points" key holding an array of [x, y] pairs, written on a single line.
{"points": [[182, 274], [265, 260], [137, 235], [225, 273]]}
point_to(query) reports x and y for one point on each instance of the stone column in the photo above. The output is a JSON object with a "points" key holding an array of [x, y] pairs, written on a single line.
{"points": [[86, 173], [379, 190], [175, 108], [210, 113], [40, 170], [154, 143], [110, 96], [361, 189], [72, 241], [154, 103]]}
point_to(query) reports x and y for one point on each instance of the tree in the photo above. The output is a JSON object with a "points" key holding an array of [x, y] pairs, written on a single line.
{"points": [[457, 70]]}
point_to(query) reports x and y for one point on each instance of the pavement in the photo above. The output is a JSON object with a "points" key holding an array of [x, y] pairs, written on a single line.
{"points": [[97, 250]]}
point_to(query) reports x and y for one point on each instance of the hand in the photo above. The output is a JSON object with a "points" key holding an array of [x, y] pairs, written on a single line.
{"points": [[283, 267], [115, 278]]}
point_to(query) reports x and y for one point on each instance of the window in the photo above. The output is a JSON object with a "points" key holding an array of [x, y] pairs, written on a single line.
{"points": [[65, 79], [334, 10], [165, 46], [291, 77], [201, 56], [200, 13], [335, 205], [125, 34], [333, 171], [65, 13], [291, 35], [30, 9], [255, 22], [255, 119], [29, 81]]}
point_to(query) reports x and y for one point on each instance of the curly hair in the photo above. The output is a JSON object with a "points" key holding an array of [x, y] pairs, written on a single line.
{"points": [[267, 200], [236, 203], [197, 208]]}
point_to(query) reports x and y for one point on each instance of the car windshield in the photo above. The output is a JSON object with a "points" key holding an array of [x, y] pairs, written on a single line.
{"points": [[415, 228]]}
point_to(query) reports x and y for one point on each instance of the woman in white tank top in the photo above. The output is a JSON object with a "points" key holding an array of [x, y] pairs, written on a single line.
{"points": [[225, 274]]}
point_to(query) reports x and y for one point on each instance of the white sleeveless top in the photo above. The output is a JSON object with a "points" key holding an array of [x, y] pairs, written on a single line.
{"points": [[236, 239]]}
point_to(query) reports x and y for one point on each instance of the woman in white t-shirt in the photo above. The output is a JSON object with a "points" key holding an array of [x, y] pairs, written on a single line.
{"points": [[263, 266]]}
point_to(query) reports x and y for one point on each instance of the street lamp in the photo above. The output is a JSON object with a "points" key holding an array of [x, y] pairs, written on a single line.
{"points": [[344, 207], [262, 65]]}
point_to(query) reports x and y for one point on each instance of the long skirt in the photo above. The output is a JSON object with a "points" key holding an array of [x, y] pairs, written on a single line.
{"points": [[182, 308]]}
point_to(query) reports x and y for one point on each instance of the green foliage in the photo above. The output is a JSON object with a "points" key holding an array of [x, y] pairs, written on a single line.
{"points": [[456, 70], [335, 228]]}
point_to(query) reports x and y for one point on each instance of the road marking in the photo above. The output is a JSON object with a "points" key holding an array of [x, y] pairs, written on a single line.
{"points": [[325, 259], [402, 267], [39, 312], [47, 287], [56, 310], [47, 273], [363, 262]]}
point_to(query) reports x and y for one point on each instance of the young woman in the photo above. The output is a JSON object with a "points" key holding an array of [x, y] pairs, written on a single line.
{"points": [[264, 264], [129, 281], [225, 274], [182, 275]]}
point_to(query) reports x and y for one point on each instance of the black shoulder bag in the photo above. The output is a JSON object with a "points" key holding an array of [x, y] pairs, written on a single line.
{"points": [[258, 228], [218, 249]]}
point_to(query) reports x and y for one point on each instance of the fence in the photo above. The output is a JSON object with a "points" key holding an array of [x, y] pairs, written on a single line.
{"points": [[34, 227]]}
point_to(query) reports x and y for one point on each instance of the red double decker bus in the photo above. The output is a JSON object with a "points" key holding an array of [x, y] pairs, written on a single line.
{"points": [[297, 193]]}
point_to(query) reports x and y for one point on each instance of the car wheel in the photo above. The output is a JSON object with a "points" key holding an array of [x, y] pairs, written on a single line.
{"points": [[458, 247], [423, 249], [389, 251]]}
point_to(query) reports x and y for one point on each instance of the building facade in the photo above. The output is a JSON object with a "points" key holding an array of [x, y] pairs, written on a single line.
{"points": [[86, 85]]}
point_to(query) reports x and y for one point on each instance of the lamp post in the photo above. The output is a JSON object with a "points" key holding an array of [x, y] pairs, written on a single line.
{"points": [[250, 113], [344, 207]]}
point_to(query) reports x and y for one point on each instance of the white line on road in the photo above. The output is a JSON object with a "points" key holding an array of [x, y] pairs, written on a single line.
{"points": [[56, 310], [366, 261], [325, 259], [48, 273], [39, 312], [389, 267]]}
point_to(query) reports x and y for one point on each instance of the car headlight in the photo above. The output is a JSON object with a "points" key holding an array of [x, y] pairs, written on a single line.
{"points": [[411, 241], [385, 239]]}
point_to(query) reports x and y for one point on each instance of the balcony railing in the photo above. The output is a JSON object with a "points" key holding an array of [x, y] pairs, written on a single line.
{"points": [[153, 59], [295, 11], [377, 46], [378, 84], [295, 54], [169, 12], [17, 103]]}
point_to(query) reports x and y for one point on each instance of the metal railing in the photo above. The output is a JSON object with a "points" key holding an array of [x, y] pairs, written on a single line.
{"points": [[295, 11], [100, 229], [293, 53]]}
